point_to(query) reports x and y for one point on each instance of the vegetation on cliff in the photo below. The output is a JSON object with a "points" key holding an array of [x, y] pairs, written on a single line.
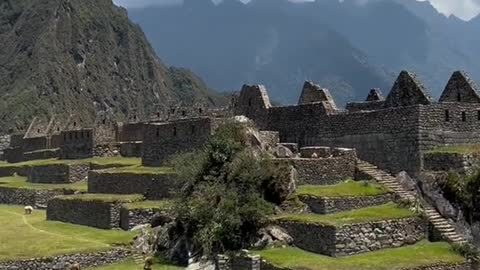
{"points": [[60, 56]]}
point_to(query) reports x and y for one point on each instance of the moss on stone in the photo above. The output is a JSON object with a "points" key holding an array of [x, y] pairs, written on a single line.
{"points": [[162, 204], [348, 188], [107, 198], [387, 211], [141, 170]]}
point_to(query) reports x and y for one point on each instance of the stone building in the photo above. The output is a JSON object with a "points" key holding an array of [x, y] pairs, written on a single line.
{"points": [[392, 132]]}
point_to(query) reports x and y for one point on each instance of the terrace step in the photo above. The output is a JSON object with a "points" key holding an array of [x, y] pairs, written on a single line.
{"points": [[447, 230]]}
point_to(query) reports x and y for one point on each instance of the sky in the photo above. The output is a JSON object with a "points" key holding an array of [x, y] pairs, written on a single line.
{"points": [[464, 9]]}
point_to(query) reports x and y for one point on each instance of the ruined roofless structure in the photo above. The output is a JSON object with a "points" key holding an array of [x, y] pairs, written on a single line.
{"points": [[392, 132]]}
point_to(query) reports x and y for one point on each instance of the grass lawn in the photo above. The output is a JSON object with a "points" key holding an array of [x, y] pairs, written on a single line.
{"points": [[21, 182], [104, 161], [32, 236], [457, 149], [368, 214], [163, 204], [104, 197], [421, 254], [141, 170], [348, 188], [131, 265]]}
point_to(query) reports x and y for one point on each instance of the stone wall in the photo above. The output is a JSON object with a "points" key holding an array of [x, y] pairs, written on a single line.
{"points": [[462, 163], [13, 154], [58, 173], [332, 205], [163, 140], [4, 144], [35, 198], [324, 171], [356, 238], [131, 132], [103, 215], [129, 218], [131, 149], [106, 150], [62, 262], [153, 186], [77, 144]]}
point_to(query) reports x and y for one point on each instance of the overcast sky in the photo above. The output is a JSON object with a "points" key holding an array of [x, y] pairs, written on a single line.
{"points": [[465, 9]]}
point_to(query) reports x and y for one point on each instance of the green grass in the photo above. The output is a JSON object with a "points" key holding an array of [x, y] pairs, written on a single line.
{"points": [[21, 183], [101, 161], [457, 149], [104, 197], [346, 189], [141, 170], [31, 236], [130, 265], [163, 204], [421, 254], [369, 214]]}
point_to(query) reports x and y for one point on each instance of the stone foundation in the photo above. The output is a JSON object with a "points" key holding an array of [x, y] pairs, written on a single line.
{"points": [[324, 171], [356, 238], [35, 198], [338, 204], [131, 149], [129, 218], [153, 186], [58, 173], [103, 215], [62, 261], [462, 163]]}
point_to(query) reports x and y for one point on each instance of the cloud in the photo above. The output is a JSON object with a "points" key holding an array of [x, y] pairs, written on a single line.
{"points": [[464, 9]]}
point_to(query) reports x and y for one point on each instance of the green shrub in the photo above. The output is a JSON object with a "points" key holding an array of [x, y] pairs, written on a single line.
{"points": [[468, 251], [228, 192]]}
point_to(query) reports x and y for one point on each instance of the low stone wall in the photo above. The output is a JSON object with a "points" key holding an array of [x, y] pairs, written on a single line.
{"points": [[58, 173], [129, 218], [106, 150], [42, 154], [152, 186], [131, 149], [462, 163], [356, 238], [324, 171], [97, 214], [4, 144], [13, 154], [338, 204], [62, 262], [35, 198]]}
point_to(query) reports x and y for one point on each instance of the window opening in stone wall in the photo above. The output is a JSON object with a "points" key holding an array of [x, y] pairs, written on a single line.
{"points": [[184, 113], [104, 121], [464, 117], [174, 131], [88, 134], [38, 130], [200, 110], [158, 132], [74, 124], [459, 97], [250, 102], [447, 116], [158, 115], [478, 115]]}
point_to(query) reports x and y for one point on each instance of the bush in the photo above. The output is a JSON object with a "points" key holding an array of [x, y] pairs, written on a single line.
{"points": [[229, 189], [468, 251]]}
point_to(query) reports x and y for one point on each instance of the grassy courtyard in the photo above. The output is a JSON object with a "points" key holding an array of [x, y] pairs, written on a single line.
{"points": [[32, 236], [348, 188], [162, 204], [368, 214], [21, 182], [101, 197], [421, 254], [141, 170]]}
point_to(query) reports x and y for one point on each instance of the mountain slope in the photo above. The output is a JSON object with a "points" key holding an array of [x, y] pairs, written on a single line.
{"points": [[263, 42], [62, 56]]}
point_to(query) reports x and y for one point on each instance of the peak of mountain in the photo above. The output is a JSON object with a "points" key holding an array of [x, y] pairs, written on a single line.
{"points": [[62, 57]]}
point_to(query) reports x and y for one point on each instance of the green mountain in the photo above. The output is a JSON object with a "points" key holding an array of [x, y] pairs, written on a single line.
{"points": [[63, 56]]}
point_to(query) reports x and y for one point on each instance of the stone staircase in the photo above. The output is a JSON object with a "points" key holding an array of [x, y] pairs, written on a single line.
{"points": [[442, 225]]}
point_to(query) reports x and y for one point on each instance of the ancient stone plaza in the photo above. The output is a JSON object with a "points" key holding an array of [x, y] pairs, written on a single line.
{"points": [[353, 190]]}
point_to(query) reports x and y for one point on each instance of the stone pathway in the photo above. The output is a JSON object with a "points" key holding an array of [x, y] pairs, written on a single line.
{"points": [[442, 225]]}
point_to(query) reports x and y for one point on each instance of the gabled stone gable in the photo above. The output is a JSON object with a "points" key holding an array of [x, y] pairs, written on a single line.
{"points": [[375, 95], [460, 88], [312, 93], [407, 91]]}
